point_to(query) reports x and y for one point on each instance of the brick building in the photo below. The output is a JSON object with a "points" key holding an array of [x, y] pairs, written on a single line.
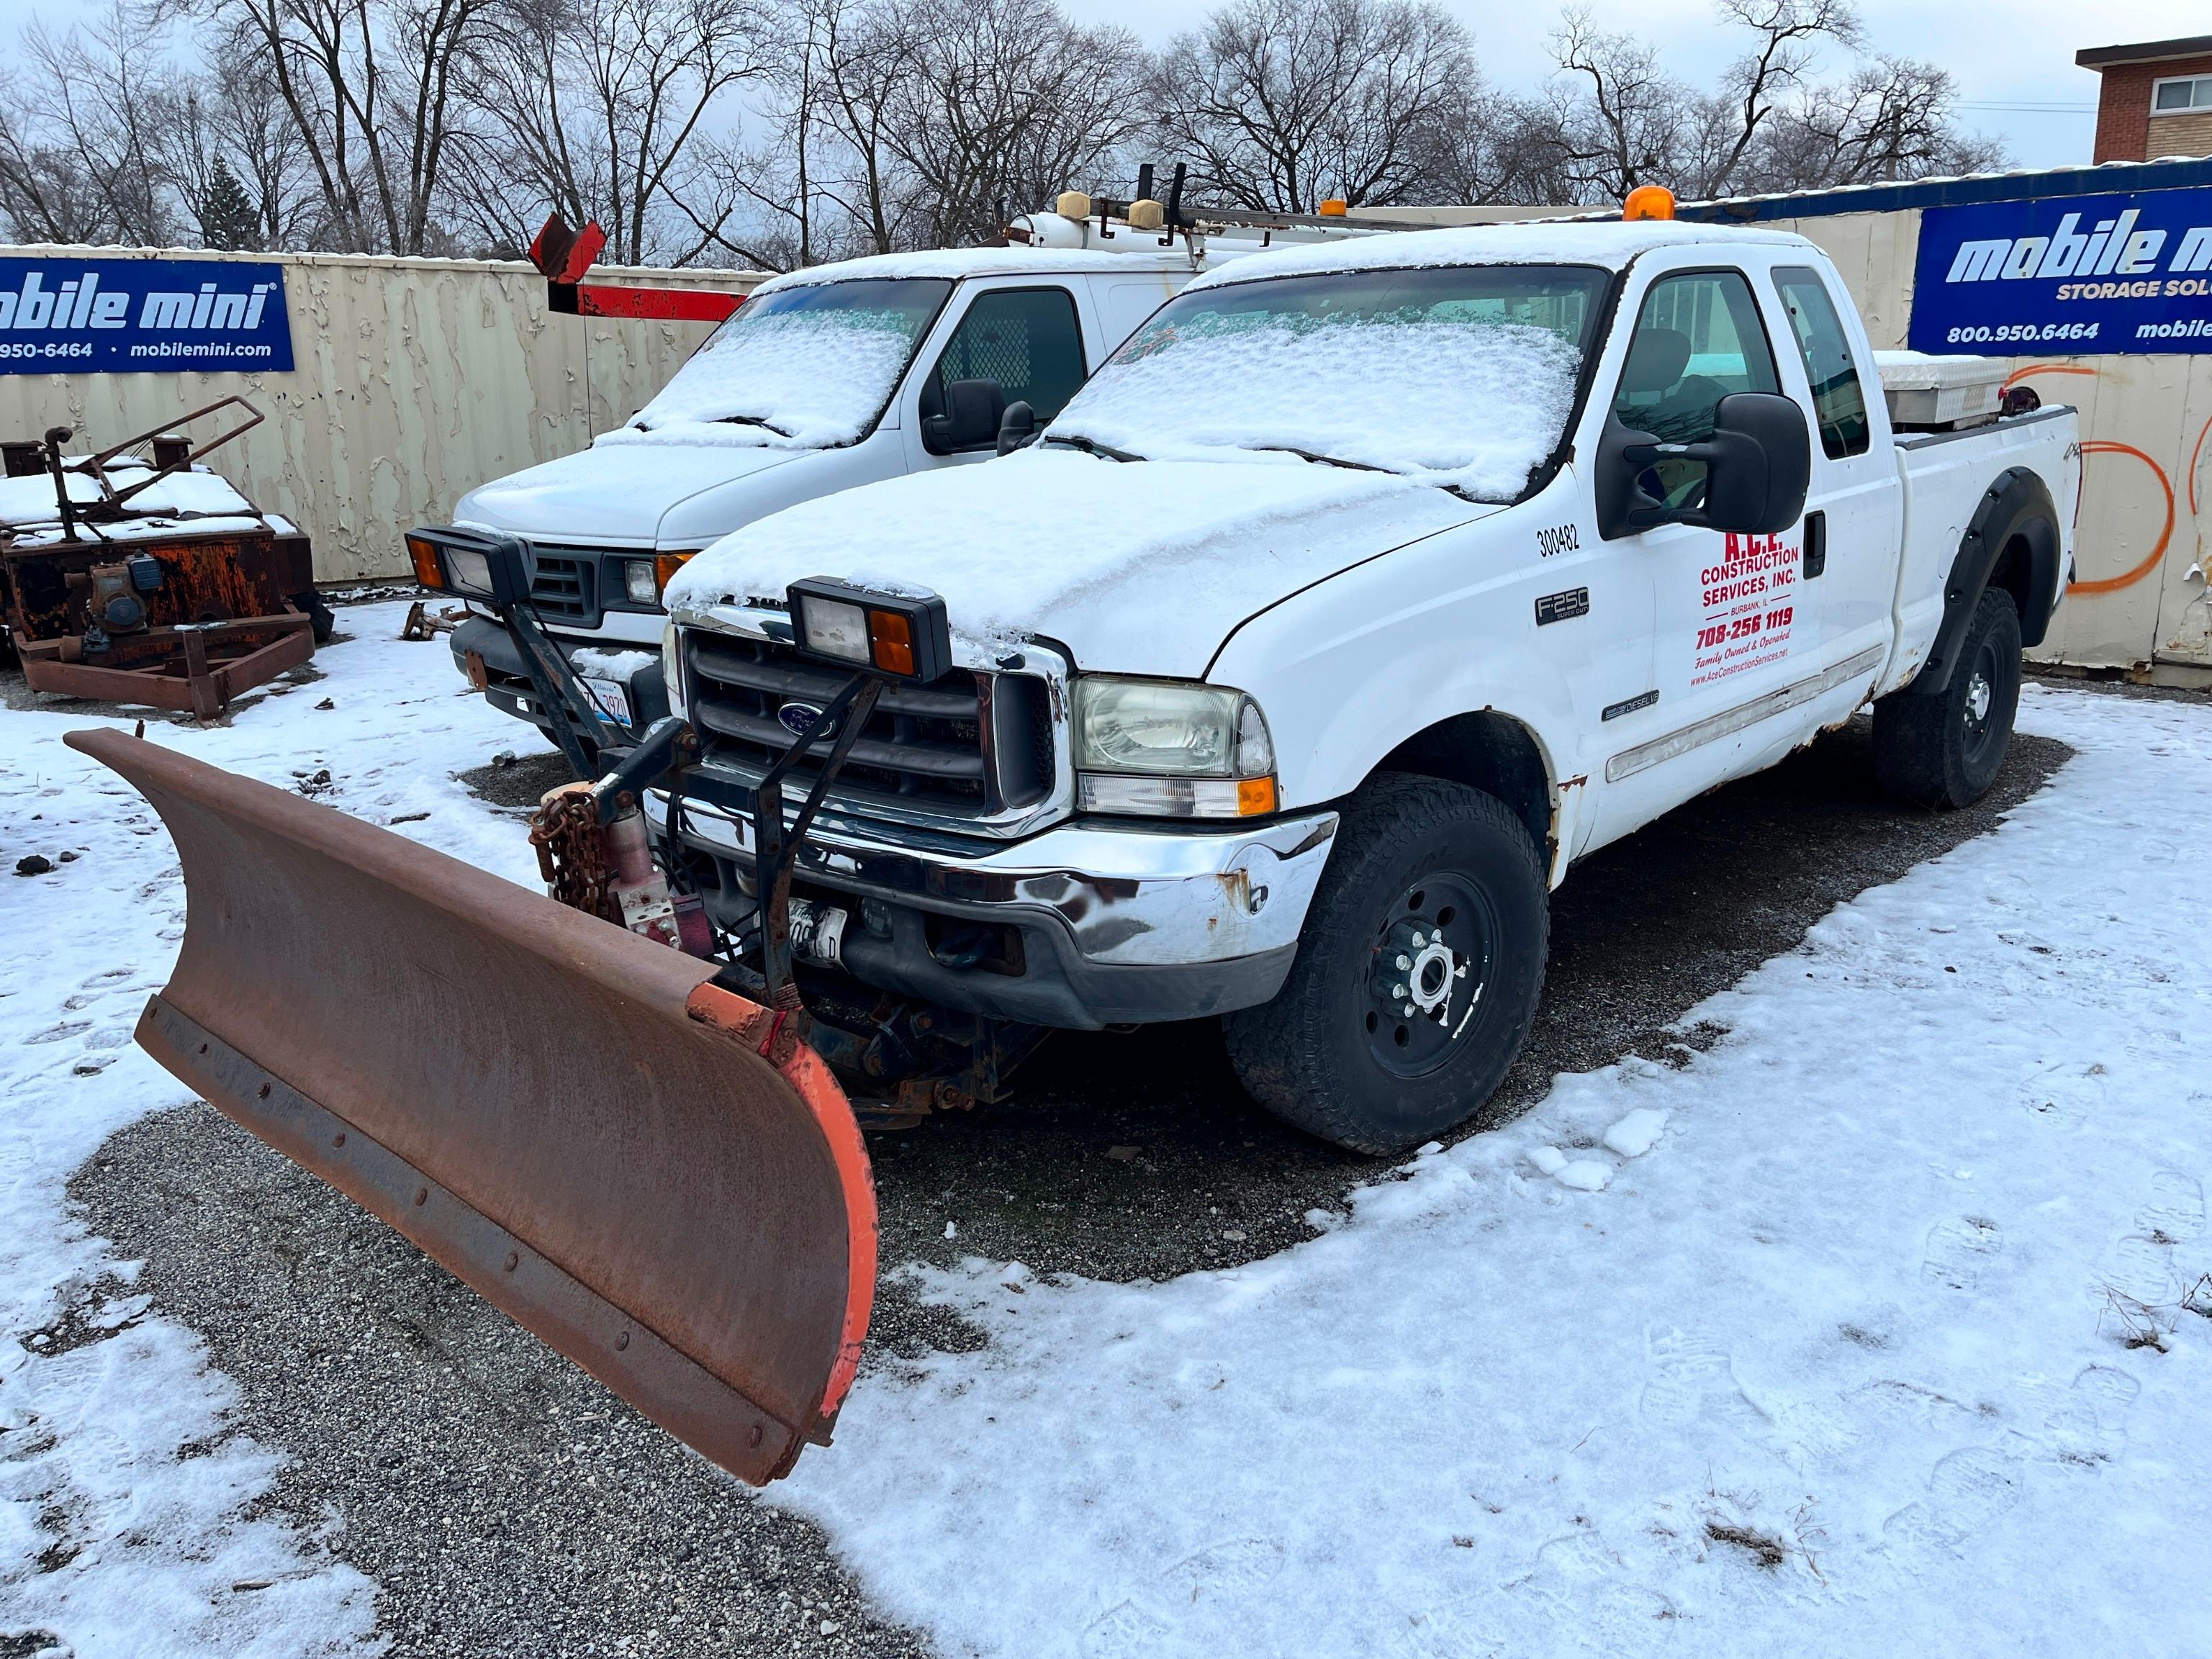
{"points": [[2156, 98]]}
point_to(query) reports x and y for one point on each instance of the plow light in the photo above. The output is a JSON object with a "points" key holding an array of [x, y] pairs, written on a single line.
{"points": [[424, 557], [474, 563], [900, 634]]}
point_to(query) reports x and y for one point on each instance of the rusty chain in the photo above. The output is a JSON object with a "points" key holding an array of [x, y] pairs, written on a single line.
{"points": [[571, 852]]}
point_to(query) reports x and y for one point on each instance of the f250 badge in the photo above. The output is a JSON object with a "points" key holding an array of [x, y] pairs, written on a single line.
{"points": [[1558, 607]]}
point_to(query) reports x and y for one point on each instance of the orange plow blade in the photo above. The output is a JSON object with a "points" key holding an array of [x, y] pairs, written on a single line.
{"points": [[570, 1118]]}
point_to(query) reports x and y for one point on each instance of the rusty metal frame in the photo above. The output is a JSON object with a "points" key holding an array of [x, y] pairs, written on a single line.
{"points": [[208, 683], [96, 466]]}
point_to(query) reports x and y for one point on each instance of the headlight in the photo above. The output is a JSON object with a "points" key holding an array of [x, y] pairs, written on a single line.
{"points": [[671, 665], [471, 571], [1171, 749], [639, 586]]}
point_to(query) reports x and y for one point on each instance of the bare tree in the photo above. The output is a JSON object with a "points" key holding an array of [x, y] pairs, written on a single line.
{"points": [[591, 107], [995, 102], [369, 89], [1281, 103], [1892, 118], [102, 105], [1489, 146], [1623, 121]]}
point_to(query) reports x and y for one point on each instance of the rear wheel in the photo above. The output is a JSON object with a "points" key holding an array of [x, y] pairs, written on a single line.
{"points": [[1945, 749], [1417, 974]]}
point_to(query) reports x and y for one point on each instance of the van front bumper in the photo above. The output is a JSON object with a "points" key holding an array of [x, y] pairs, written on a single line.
{"points": [[1119, 922]]}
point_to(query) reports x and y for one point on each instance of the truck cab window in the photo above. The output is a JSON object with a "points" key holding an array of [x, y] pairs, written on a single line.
{"points": [[1026, 339], [1839, 403], [1698, 339]]}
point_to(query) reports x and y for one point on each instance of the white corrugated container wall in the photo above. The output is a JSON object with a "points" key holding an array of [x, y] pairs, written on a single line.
{"points": [[2140, 601], [415, 380]]}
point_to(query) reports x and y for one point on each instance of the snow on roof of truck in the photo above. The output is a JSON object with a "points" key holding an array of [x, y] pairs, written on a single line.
{"points": [[958, 262], [1612, 244]]}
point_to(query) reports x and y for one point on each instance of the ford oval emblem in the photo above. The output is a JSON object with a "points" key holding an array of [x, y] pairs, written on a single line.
{"points": [[799, 717]]}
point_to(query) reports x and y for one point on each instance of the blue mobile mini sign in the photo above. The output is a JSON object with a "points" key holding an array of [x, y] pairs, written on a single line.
{"points": [[64, 316], [2089, 276]]}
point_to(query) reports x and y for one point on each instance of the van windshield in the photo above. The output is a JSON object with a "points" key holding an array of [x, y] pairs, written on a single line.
{"points": [[1462, 376], [800, 367]]}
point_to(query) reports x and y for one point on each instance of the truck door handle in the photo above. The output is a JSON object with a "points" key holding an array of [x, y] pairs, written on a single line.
{"points": [[1816, 544]]}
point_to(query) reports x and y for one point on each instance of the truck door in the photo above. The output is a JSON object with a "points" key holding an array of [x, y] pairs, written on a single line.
{"points": [[1012, 344], [1850, 537], [1726, 625]]}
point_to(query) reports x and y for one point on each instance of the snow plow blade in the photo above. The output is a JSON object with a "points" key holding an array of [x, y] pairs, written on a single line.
{"points": [[641, 1168]]}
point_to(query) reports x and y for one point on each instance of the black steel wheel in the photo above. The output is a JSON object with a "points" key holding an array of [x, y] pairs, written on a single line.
{"points": [[1945, 748], [1417, 972]]}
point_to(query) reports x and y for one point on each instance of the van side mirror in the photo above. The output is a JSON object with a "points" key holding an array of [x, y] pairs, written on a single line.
{"points": [[1758, 466], [973, 409], [1018, 427]]}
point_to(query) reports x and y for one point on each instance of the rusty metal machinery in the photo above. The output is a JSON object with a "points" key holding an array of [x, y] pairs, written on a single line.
{"points": [[149, 580]]}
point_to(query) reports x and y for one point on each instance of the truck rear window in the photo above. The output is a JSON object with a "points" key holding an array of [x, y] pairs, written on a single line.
{"points": [[1463, 376]]}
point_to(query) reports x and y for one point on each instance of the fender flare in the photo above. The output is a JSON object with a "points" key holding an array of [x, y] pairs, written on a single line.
{"points": [[2016, 507]]}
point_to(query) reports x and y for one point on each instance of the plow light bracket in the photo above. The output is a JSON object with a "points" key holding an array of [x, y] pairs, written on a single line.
{"points": [[473, 563], [903, 635]]}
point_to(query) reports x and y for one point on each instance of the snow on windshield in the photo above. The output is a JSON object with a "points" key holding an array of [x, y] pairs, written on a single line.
{"points": [[803, 367], [1462, 376]]}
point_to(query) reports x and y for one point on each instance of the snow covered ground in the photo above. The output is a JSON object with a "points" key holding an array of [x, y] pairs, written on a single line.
{"points": [[125, 1524], [1820, 1342]]}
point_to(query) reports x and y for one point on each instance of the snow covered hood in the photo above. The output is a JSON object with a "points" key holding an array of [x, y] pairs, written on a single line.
{"points": [[620, 493], [1140, 567], [1610, 245]]}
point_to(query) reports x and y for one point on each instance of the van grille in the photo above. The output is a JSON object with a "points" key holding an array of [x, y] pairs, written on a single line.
{"points": [[969, 745], [564, 586]]}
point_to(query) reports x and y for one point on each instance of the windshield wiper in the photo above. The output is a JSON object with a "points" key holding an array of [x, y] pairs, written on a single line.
{"points": [[751, 420], [1459, 490], [1091, 447], [1323, 460]]}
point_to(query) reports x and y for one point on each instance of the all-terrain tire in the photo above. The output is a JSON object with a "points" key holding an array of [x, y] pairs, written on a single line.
{"points": [[1440, 877], [1945, 749]]}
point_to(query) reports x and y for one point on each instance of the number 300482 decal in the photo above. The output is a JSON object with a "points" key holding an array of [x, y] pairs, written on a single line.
{"points": [[1560, 539]]}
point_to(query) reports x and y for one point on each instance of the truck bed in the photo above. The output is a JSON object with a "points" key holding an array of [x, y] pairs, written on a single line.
{"points": [[1944, 475]]}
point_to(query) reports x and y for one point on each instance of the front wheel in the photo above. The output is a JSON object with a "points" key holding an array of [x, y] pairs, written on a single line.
{"points": [[1417, 974], [1945, 749]]}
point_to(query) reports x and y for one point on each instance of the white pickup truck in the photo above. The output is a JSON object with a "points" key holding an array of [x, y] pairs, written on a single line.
{"points": [[1365, 590], [832, 377]]}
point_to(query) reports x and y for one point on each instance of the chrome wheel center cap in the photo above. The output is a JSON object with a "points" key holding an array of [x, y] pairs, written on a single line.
{"points": [[1980, 696], [1417, 973]]}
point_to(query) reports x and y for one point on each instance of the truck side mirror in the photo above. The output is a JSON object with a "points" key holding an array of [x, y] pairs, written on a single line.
{"points": [[1018, 427], [973, 409], [1758, 466], [1756, 481]]}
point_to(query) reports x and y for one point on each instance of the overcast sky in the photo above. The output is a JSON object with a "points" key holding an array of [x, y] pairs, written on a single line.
{"points": [[2014, 61]]}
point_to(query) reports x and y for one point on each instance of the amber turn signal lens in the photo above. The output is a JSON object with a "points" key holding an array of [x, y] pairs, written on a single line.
{"points": [[891, 641], [665, 567], [1256, 797], [424, 557]]}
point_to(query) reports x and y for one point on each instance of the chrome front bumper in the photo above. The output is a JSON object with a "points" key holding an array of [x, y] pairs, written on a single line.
{"points": [[1126, 895]]}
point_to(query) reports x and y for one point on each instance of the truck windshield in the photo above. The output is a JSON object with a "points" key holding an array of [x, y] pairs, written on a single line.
{"points": [[799, 367], [1462, 376]]}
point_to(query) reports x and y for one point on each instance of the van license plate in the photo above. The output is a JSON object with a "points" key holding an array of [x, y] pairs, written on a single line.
{"points": [[612, 699]]}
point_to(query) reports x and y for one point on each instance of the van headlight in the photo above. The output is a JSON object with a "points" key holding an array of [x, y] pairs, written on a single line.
{"points": [[671, 665], [1171, 749]]}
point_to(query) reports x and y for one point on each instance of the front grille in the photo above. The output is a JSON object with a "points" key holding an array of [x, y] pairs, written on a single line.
{"points": [[969, 745], [564, 587]]}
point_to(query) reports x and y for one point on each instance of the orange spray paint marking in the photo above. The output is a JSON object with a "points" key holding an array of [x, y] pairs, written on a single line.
{"points": [[2113, 584]]}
